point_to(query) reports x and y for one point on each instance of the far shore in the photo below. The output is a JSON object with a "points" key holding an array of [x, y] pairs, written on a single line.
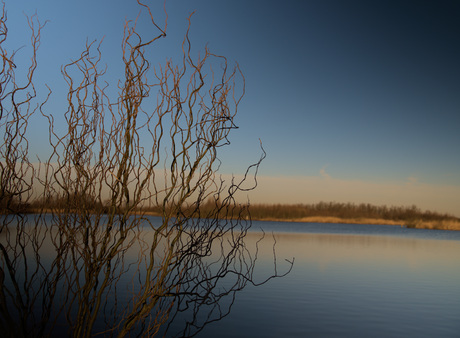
{"points": [[418, 224]]}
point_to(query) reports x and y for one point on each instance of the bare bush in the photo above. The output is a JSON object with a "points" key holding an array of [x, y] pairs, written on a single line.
{"points": [[89, 261]]}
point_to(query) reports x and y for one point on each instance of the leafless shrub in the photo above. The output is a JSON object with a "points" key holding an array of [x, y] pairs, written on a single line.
{"points": [[89, 261]]}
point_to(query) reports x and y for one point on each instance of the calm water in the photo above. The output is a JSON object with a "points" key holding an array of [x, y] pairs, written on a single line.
{"points": [[351, 281]]}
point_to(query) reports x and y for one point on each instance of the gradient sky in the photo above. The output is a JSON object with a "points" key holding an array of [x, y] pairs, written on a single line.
{"points": [[353, 100]]}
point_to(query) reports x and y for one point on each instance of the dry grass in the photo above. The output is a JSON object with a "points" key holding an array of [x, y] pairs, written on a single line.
{"points": [[446, 224], [419, 224], [332, 212], [326, 219], [438, 225]]}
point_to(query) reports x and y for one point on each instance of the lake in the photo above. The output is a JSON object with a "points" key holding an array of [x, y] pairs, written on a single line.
{"points": [[348, 280], [351, 281]]}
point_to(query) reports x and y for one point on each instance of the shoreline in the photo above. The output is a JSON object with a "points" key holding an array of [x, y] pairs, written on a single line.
{"points": [[417, 224], [453, 225]]}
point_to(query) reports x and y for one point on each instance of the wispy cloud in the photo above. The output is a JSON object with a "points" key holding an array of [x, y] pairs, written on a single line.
{"points": [[323, 173], [412, 180]]}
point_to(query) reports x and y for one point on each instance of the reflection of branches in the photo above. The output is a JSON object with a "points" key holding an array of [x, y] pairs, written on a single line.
{"points": [[91, 261]]}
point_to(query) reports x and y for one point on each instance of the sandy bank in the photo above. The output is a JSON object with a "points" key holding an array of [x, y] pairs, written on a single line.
{"points": [[419, 224]]}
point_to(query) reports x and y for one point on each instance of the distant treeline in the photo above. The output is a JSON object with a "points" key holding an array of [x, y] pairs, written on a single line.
{"points": [[257, 211], [345, 211], [67, 203]]}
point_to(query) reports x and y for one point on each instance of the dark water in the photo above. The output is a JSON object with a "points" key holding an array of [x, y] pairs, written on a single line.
{"points": [[351, 281], [348, 281]]}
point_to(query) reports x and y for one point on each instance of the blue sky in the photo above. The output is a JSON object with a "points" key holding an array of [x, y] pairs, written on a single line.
{"points": [[358, 100]]}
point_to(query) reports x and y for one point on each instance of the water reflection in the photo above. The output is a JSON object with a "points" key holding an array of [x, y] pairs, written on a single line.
{"points": [[353, 285], [345, 283]]}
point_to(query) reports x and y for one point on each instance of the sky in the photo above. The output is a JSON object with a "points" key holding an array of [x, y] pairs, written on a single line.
{"points": [[354, 101]]}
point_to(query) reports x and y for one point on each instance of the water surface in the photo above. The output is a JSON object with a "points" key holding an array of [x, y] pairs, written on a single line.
{"points": [[348, 280], [351, 281]]}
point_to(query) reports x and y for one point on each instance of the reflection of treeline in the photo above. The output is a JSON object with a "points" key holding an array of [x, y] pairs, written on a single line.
{"points": [[345, 211]]}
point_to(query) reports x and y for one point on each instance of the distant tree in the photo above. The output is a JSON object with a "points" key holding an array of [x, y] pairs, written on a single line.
{"points": [[89, 257]]}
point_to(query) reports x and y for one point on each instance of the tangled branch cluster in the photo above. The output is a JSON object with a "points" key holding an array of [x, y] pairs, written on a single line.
{"points": [[94, 262]]}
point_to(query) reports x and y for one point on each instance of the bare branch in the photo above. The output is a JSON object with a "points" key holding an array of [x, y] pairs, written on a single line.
{"points": [[89, 258]]}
